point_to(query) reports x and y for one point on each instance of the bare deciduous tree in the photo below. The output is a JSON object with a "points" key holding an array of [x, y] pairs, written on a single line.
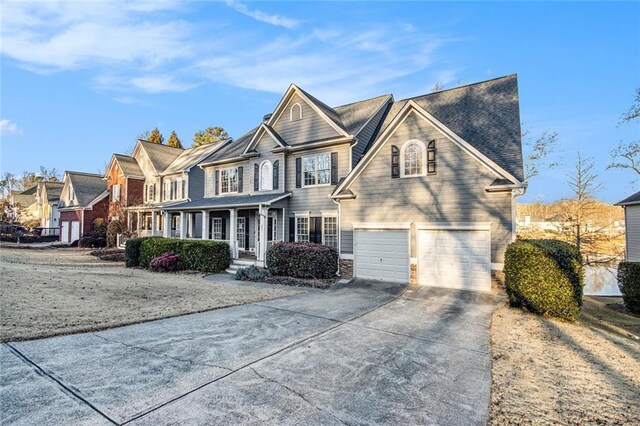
{"points": [[584, 185], [627, 154], [538, 151]]}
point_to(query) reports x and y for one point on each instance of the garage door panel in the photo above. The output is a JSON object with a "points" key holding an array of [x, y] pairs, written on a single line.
{"points": [[382, 255], [456, 259]]}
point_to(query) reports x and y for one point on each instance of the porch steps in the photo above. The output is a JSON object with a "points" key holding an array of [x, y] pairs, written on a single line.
{"points": [[238, 264]]}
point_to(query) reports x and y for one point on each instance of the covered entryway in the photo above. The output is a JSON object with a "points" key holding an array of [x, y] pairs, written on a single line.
{"points": [[381, 254], [455, 257]]}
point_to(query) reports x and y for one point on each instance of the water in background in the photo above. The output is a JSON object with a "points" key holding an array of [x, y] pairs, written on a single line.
{"points": [[601, 281]]}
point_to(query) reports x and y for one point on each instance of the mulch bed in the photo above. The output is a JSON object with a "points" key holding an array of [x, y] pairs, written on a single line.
{"points": [[109, 254]]}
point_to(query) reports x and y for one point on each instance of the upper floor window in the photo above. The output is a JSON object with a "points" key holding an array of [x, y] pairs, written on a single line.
{"points": [[316, 169], [266, 176], [295, 113], [115, 192], [414, 158], [228, 181]]}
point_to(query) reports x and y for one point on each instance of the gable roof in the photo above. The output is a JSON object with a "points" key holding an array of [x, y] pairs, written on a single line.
{"points": [[192, 156], [22, 199], [161, 156], [484, 114], [86, 186], [231, 149], [355, 115], [326, 110], [54, 189], [129, 165], [630, 200]]}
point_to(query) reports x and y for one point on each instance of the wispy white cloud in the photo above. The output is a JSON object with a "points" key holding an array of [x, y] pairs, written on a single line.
{"points": [[8, 127], [159, 84], [267, 18]]}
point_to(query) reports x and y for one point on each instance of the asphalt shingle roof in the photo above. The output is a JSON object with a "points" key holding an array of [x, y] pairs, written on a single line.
{"points": [[485, 114], [161, 156], [54, 189], [190, 157], [632, 199], [129, 165], [87, 186], [232, 200], [356, 114], [232, 149]]}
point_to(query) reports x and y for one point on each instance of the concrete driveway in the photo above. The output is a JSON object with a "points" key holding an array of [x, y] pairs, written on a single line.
{"points": [[364, 353]]}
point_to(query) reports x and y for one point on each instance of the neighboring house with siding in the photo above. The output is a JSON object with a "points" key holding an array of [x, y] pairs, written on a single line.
{"points": [[419, 190], [23, 205], [631, 207], [47, 197], [83, 199]]}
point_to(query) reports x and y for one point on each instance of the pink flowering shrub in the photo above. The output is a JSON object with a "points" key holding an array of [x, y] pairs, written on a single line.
{"points": [[167, 262]]}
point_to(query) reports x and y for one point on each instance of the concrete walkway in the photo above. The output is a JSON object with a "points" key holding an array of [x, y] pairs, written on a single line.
{"points": [[363, 353]]}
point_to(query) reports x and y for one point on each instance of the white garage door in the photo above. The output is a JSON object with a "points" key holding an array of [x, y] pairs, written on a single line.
{"points": [[64, 233], [382, 255], [75, 230], [455, 259]]}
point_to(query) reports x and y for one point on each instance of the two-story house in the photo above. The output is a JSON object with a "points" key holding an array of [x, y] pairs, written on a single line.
{"points": [[153, 177], [47, 197], [420, 189], [83, 199]]}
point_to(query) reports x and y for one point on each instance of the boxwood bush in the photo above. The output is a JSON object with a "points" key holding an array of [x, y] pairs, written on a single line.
{"points": [[132, 251], [302, 260], [629, 283], [204, 256], [545, 276]]}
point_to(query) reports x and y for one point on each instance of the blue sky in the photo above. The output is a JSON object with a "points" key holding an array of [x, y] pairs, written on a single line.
{"points": [[81, 80]]}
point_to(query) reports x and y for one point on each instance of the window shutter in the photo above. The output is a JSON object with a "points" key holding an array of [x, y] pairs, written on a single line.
{"points": [[154, 192], [298, 172], [256, 177], [276, 173], [395, 162], [216, 181], [334, 168], [240, 178], [224, 228], [431, 157], [292, 229], [184, 188]]}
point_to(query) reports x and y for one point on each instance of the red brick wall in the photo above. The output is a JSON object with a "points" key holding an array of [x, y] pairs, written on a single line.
{"points": [[69, 216], [132, 192], [99, 210]]}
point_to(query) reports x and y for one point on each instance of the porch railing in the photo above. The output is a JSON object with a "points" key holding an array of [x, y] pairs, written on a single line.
{"points": [[149, 233]]}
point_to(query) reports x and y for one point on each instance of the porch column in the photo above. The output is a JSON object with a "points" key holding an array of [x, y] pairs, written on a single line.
{"points": [[153, 222], [264, 214], [183, 225], [138, 223], [205, 225], [129, 226], [233, 232], [166, 232]]}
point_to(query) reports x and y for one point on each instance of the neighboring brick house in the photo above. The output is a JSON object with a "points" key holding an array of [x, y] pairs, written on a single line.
{"points": [[419, 190], [125, 183], [83, 199]]}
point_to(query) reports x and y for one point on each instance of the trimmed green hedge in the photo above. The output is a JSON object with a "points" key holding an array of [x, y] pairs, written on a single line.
{"points": [[545, 276], [302, 260], [204, 256], [132, 251], [629, 283]]}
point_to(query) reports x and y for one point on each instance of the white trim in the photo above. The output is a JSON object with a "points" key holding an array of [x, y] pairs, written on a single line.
{"points": [[463, 226], [315, 156], [301, 214], [382, 225], [315, 145], [497, 266], [258, 134], [411, 106], [323, 217], [285, 101], [329, 213], [413, 261], [346, 256], [402, 161], [220, 193], [291, 112]]}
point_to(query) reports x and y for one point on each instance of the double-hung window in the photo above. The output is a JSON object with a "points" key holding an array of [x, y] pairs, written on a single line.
{"points": [[330, 231], [317, 170], [115, 192], [217, 228], [302, 229], [229, 181]]}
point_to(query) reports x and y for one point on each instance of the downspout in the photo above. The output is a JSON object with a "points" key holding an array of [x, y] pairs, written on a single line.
{"points": [[339, 234], [515, 193]]}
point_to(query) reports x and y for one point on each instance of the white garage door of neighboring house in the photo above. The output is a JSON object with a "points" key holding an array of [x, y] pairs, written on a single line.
{"points": [[382, 254], [455, 258], [75, 230], [64, 233]]}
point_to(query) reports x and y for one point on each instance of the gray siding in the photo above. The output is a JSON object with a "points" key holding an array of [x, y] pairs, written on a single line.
{"points": [[314, 199], [264, 147], [365, 135], [455, 194], [632, 224], [312, 126]]}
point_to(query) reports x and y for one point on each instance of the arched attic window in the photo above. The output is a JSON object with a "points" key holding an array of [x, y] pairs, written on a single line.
{"points": [[266, 176], [295, 113], [413, 156]]}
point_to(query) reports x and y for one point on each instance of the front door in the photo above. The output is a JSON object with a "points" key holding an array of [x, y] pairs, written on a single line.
{"points": [[242, 233], [315, 230]]}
